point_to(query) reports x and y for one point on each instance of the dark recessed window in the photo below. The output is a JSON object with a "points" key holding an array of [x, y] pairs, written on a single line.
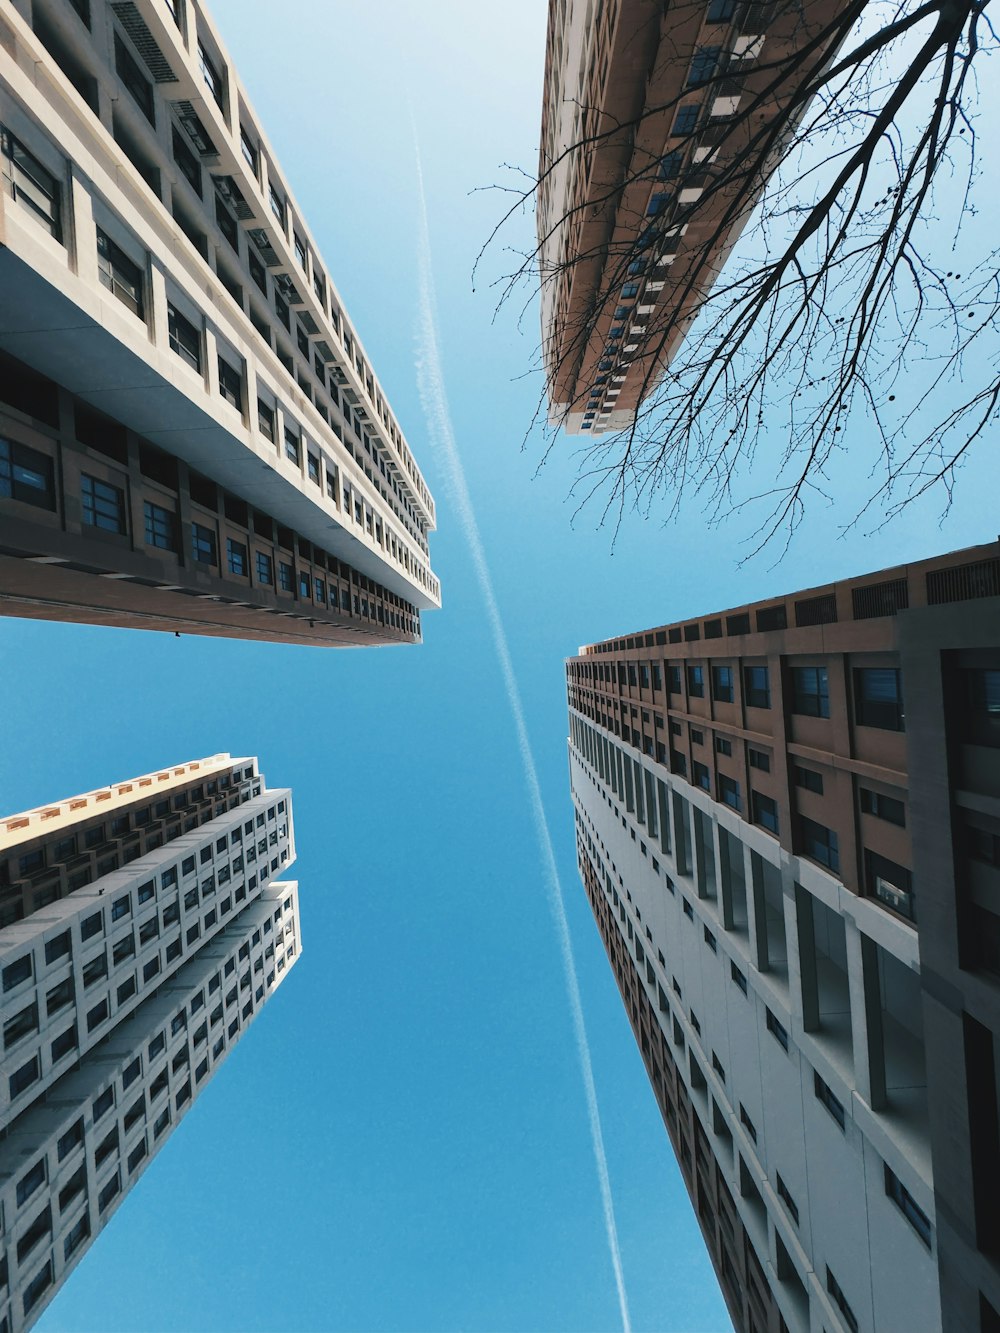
{"points": [[160, 526], [134, 79], [265, 419], [119, 274], [696, 681], [777, 1030], [765, 811], [729, 791], [810, 691], [890, 883], [809, 779], [722, 684], [980, 706], [265, 568], [703, 66], [759, 759], [757, 686], [883, 807], [833, 1104], [723, 746], [203, 545], [103, 504], [230, 384], [31, 184], [211, 73], [878, 698], [188, 163], [26, 475], [249, 150], [185, 339], [908, 1206], [236, 557], [819, 843], [685, 120]]}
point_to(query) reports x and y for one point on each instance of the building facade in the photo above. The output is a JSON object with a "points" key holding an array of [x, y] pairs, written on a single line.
{"points": [[192, 437], [788, 827], [145, 926], [655, 147]]}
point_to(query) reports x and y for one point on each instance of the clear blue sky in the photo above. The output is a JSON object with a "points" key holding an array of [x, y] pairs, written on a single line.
{"points": [[401, 1142]]}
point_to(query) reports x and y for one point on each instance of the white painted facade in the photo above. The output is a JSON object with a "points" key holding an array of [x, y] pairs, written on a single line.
{"points": [[791, 1005], [220, 243], [68, 1162]]}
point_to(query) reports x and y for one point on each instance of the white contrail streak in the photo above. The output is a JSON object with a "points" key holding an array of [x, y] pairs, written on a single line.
{"points": [[430, 380]]}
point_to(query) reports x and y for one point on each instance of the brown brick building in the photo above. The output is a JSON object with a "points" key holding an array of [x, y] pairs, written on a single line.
{"points": [[788, 820]]}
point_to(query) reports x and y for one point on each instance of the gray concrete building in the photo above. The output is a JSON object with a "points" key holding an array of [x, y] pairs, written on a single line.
{"points": [[192, 436], [120, 996], [788, 826]]}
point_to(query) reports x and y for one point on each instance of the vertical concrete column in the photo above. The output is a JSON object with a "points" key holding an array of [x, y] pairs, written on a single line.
{"points": [[725, 873], [756, 919], [81, 231], [802, 975], [866, 1016]]}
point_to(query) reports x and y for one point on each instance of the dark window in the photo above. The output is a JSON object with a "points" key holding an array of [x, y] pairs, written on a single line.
{"points": [[265, 568], [757, 686], [161, 526], [907, 1205], [185, 339], [119, 274], [31, 184], [211, 73], [685, 120], [721, 11], [64, 1043], [265, 419], [738, 977], [249, 151], [729, 791], [24, 1077], [878, 698], [16, 972], [786, 1199], [723, 746], [291, 445], [833, 1104], [103, 504], [188, 163], [277, 205], [203, 548], [883, 807], [809, 779], [819, 843], [236, 555], [890, 883], [26, 475], [37, 1287], [286, 575], [703, 65], [759, 760], [701, 776], [72, 1138], [777, 1030], [840, 1301], [674, 685], [810, 691], [980, 704], [765, 811], [696, 681], [23, 1022], [230, 384], [134, 79], [722, 684]]}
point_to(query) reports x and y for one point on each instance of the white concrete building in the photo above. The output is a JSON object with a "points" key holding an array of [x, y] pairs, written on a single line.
{"points": [[186, 407], [120, 994], [68, 1162]]}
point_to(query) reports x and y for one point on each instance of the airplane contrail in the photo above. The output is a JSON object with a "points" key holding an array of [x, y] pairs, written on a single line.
{"points": [[430, 379]]}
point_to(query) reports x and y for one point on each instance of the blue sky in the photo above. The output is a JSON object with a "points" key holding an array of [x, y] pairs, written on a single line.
{"points": [[401, 1142]]}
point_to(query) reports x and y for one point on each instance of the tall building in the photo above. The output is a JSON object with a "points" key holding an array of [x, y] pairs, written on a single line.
{"points": [[144, 926], [653, 154], [192, 436], [788, 826]]}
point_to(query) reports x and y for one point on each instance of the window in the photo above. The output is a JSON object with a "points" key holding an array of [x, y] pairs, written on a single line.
{"points": [[674, 679], [839, 1300], [833, 1104], [980, 705], [722, 684], [185, 339], [118, 273], [738, 977], [777, 1030], [747, 1123], [765, 811], [286, 575], [20, 1025], [211, 74], [819, 843], [786, 1198], [710, 940], [277, 205], [103, 504], [203, 548], [230, 384], [59, 947], [108, 1193], [76, 1235], [809, 779], [312, 465], [701, 776], [15, 973], [890, 883], [38, 1285], [265, 419], [26, 475], [265, 568], [188, 163], [696, 682], [160, 526], [23, 1078], [721, 11], [31, 184], [64, 1043], [236, 557], [883, 807], [723, 746], [291, 446], [757, 687], [134, 80], [907, 1205], [729, 791], [72, 1138], [685, 120], [249, 150], [759, 759], [810, 691], [878, 698], [703, 65]]}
